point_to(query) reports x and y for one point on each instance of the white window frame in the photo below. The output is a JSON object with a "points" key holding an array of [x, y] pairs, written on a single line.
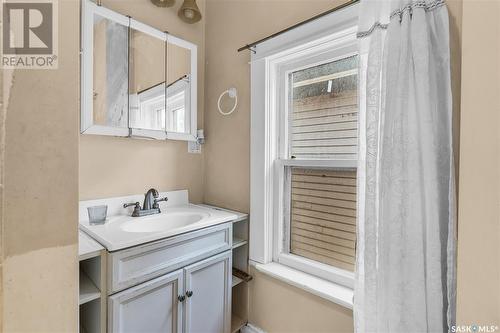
{"points": [[333, 50], [327, 39], [154, 97], [177, 87]]}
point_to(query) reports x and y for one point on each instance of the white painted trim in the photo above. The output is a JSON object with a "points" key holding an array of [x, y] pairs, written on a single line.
{"points": [[181, 42], [341, 164], [193, 81], [107, 130], [109, 14], [181, 136], [250, 328], [317, 29], [261, 156], [327, 272], [186, 86], [147, 29], [331, 37], [335, 293], [148, 134], [87, 41]]}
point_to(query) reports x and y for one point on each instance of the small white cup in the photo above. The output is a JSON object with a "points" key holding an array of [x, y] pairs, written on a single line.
{"points": [[97, 214]]}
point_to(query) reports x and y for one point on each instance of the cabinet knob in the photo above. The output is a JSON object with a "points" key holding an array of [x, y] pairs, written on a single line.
{"points": [[189, 293], [181, 298]]}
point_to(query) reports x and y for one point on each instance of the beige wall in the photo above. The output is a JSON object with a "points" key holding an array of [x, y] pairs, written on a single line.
{"points": [[479, 200], [40, 182], [278, 307], [112, 166]]}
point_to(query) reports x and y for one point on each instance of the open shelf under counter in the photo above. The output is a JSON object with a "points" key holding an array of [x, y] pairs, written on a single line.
{"points": [[88, 290], [239, 316], [92, 291], [237, 323], [237, 242], [236, 281]]}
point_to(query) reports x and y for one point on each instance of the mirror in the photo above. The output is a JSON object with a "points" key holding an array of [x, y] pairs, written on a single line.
{"points": [[179, 82], [110, 73], [136, 80], [147, 80]]}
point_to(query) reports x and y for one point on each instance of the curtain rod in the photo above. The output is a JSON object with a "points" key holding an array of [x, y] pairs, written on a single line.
{"points": [[249, 46]]}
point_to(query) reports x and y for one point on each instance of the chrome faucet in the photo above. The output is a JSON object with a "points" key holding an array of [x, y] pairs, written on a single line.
{"points": [[150, 205], [149, 199]]}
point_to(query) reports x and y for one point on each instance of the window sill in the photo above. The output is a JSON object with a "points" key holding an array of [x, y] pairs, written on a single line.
{"points": [[335, 293]]}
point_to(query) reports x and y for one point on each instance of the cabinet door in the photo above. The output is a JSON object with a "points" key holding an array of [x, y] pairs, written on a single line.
{"points": [[149, 307], [208, 295]]}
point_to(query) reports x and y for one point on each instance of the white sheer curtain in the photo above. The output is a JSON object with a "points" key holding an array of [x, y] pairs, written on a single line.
{"points": [[405, 276]]}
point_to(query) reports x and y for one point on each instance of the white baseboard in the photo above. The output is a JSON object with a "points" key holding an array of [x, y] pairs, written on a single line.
{"points": [[249, 328]]}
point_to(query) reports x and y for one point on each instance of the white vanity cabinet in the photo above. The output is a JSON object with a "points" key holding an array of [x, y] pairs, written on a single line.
{"points": [[180, 284], [208, 295], [149, 307]]}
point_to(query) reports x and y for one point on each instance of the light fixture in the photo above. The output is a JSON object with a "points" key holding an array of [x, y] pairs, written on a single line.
{"points": [[163, 3], [189, 12]]}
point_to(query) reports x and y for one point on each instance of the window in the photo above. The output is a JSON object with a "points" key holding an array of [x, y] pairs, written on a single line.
{"points": [[323, 109], [322, 117], [304, 134], [318, 112], [151, 106], [151, 111], [178, 102], [323, 216], [176, 112]]}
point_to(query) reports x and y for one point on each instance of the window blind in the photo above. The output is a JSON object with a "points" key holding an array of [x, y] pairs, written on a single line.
{"points": [[323, 216]]}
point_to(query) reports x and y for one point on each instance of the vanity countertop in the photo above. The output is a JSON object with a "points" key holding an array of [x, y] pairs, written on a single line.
{"points": [[87, 247], [123, 231]]}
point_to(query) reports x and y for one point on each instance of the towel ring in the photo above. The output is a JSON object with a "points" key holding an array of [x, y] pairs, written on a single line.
{"points": [[233, 94]]}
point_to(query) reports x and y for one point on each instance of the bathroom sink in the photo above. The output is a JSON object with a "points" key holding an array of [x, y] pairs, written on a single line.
{"points": [[123, 231], [163, 222]]}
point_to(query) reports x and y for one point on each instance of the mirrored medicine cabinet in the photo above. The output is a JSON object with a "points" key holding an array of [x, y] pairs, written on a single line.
{"points": [[137, 81]]}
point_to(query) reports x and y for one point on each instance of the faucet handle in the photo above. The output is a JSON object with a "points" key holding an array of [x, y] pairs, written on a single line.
{"points": [[136, 204], [156, 205], [137, 208]]}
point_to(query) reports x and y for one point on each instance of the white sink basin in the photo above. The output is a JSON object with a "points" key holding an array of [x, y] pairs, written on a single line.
{"points": [[162, 222], [122, 231]]}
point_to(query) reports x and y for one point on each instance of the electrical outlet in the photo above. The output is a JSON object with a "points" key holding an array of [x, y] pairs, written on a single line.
{"points": [[194, 147]]}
